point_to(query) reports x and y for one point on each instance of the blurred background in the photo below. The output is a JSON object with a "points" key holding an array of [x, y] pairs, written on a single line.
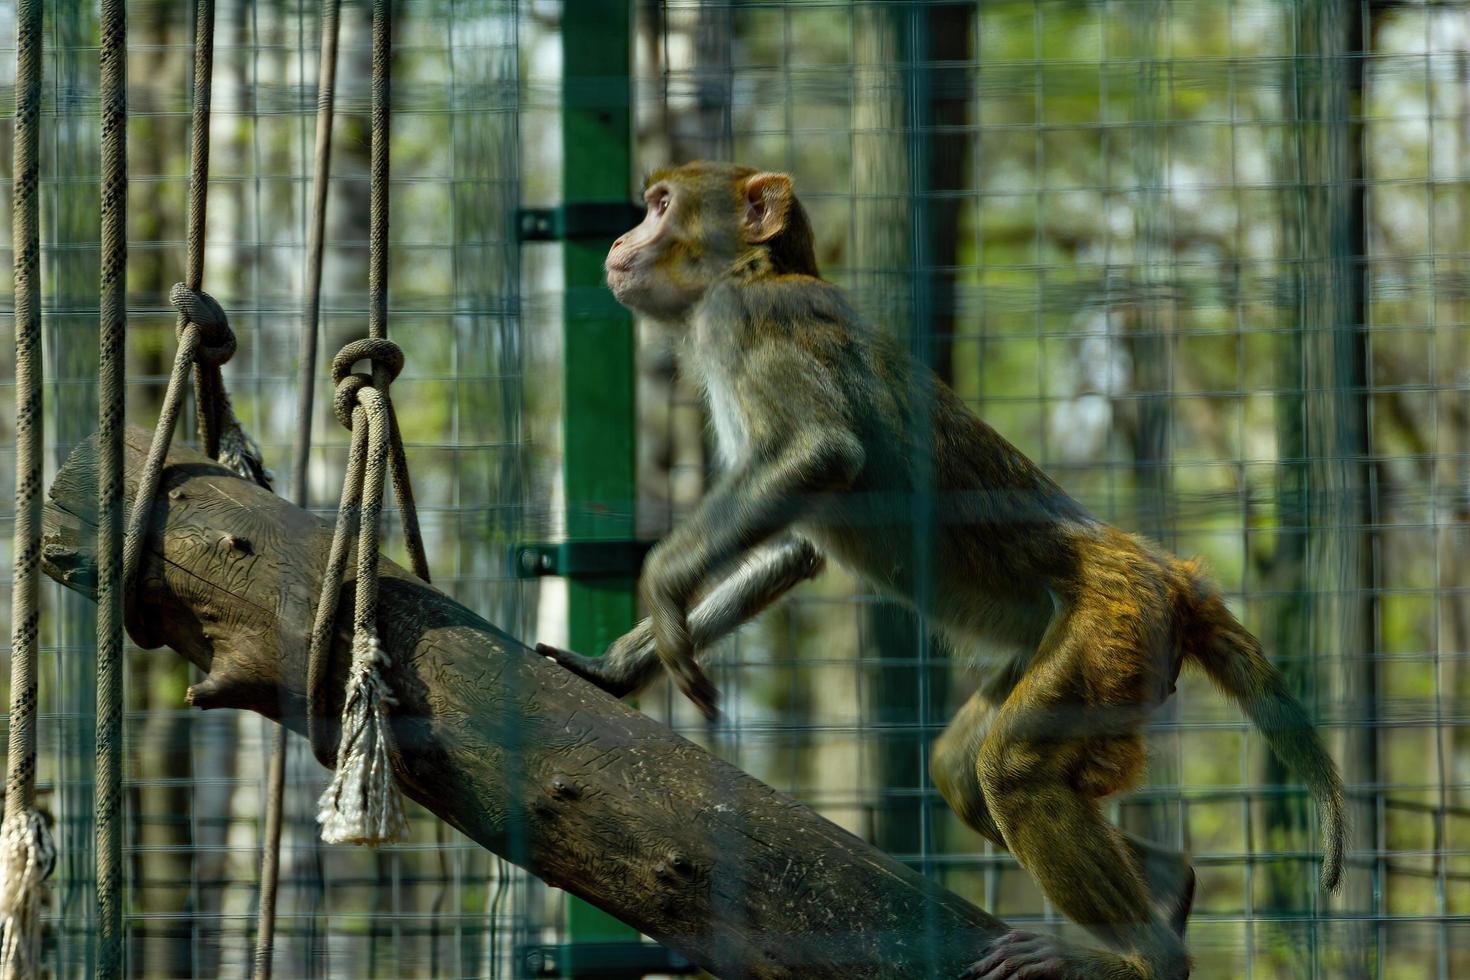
{"points": [[1207, 261]]}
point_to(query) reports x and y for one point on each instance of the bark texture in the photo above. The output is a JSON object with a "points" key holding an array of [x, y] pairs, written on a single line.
{"points": [[529, 761]]}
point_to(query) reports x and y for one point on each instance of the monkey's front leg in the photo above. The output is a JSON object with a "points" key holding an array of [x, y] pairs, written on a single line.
{"points": [[762, 576], [778, 484]]}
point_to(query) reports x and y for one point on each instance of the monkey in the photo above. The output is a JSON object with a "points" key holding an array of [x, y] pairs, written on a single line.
{"points": [[829, 433]]}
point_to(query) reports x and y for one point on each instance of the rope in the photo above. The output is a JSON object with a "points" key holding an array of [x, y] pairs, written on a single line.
{"points": [[27, 854], [111, 366], [325, 99], [275, 799], [206, 343], [223, 437], [362, 804], [378, 270]]}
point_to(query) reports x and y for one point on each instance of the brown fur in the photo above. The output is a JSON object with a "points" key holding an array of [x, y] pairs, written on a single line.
{"points": [[829, 429]]}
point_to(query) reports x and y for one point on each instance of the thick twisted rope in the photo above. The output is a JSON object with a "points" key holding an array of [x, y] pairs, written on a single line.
{"points": [[111, 367], [275, 794], [378, 205], [205, 339], [199, 201], [221, 433], [362, 804], [206, 342], [27, 854]]}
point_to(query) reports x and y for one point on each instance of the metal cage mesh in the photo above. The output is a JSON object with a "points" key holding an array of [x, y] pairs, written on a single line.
{"points": [[434, 905], [1205, 262]]}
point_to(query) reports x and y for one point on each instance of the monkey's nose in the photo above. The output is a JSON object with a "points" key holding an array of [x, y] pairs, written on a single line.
{"points": [[616, 245]]}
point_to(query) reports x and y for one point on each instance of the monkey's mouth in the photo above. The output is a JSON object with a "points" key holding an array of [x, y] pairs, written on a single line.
{"points": [[621, 275], [621, 280], [621, 264]]}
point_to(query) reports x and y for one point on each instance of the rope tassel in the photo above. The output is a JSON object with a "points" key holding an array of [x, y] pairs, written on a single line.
{"points": [[27, 856], [362, 805], [241, 453]]}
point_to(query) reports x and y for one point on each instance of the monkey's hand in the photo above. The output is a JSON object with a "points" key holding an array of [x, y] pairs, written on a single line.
{"points": [[594, 670], [668, 585], [759, 579], [623, 669]]}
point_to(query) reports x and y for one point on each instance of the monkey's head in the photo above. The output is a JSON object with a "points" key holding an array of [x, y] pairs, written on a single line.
{"points": [[705, 221]]}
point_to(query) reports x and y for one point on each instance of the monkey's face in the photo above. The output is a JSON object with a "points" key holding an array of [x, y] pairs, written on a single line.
{"points": [[662, 267], [703, 221]]}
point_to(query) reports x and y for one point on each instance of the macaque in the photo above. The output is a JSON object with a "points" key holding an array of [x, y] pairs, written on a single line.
{"points": [[830, 434]]}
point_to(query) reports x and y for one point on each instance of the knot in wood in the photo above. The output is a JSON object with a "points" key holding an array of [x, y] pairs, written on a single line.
{"points": [[564, 789], [236, 542], [201, 311]]}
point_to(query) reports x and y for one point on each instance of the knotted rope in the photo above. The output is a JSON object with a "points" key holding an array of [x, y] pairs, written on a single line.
{"points": [[362, 805], [111, 495], [206, 342], [223, 436], [27, 854]]}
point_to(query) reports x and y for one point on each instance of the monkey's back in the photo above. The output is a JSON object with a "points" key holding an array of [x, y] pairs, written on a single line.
{"points": [[932, 470], [945, 513]]}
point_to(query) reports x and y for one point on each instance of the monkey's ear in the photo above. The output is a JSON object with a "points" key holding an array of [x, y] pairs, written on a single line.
{"points": [[767, 202]]}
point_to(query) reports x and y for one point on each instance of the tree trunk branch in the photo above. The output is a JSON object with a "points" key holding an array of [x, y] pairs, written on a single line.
{"points": [[529, 761]]}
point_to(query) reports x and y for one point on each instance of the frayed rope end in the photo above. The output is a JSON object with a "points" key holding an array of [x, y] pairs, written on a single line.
{"points": [[27, 858], [241, 454], [363, 805]]}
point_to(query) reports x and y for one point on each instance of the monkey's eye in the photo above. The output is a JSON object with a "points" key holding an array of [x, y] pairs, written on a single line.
{"points": [[661, 203]]}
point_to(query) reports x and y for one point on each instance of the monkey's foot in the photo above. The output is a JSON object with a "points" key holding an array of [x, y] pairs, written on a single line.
{"points": [[696, 686], [594, 670], [1028, 956]]}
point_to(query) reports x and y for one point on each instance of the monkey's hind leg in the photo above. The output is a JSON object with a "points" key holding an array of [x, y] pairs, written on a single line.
{"points": [[1169, 877], [1066, 738]]}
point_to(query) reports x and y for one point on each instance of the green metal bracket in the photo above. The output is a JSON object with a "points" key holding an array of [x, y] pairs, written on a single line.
{"points": [[599, 220], [581, 559]]}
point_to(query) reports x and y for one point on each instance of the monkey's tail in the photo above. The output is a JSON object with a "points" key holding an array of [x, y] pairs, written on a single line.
{"points": [[1234, 660]]}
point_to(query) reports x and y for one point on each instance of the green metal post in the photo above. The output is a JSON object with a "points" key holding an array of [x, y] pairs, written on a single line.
{"points": [[599, 410]]}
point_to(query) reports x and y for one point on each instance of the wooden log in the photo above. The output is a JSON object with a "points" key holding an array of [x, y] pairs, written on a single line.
{"points": [[526, 759]]}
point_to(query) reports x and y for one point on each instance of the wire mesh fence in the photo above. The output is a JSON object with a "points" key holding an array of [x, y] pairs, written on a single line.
{"points": [[433, 905], [1204, 262]]}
